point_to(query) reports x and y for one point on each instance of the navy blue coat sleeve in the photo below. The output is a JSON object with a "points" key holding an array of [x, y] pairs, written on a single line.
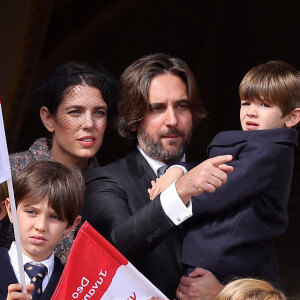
{"points": [[261, 171]]}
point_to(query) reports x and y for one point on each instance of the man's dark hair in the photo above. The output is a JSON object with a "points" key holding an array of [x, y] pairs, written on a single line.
{"points": [[134, 86]]}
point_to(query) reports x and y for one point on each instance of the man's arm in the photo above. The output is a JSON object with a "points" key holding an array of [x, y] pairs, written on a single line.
{"points": [[255, 172], [120, 209], [207, 176], [117, 205]]}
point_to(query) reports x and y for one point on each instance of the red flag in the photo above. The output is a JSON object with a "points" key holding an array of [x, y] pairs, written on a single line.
{"points": [[96, 270], [4, 160]]}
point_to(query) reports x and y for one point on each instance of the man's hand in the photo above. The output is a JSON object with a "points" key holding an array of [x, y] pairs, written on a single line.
{"points": [[201, 284], [14, 294], [207, 176]]}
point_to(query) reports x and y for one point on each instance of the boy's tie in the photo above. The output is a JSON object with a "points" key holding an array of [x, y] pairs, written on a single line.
{"points": [[36, 274]]}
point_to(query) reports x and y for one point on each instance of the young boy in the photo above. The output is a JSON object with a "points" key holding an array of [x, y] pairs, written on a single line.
{"points": [[49, 199], [233, 229]]}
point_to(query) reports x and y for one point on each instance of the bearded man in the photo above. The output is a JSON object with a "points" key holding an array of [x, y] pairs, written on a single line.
{"points": [[158, 107]]}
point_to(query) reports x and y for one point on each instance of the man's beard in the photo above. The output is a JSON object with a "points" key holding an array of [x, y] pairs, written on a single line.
{"points": [[155, 148]]}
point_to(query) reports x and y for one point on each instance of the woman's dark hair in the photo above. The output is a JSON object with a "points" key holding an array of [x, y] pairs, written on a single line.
{"points": [[51, 93]]}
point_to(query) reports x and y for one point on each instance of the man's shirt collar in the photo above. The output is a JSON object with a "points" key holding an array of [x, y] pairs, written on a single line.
{"points": [[154, 164]]}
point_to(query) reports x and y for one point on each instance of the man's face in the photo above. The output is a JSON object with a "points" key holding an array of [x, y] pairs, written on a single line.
{"points": [[166, 128]]}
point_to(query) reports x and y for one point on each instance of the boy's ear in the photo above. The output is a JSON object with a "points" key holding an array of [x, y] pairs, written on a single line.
{"points": [[293, 118], [71, 227], [47, 118], [8, 209], [3, 210]]}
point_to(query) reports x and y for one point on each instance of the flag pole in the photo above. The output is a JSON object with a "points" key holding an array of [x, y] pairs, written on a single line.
{"points": [[17, 233], [5, 174]]}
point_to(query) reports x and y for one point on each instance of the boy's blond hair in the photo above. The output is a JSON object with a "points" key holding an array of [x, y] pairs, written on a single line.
{"points": [[250, 289], [275, 83]]}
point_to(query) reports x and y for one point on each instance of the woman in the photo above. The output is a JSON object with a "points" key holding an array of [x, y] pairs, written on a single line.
{"points": [[74, 110]]}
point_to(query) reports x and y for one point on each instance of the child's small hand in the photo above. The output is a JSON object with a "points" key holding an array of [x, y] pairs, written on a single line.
{"points": [[13, 293], [164, 181]]}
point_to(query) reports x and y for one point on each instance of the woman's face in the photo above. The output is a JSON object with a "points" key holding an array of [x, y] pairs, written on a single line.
{"points": [[79, 125]]}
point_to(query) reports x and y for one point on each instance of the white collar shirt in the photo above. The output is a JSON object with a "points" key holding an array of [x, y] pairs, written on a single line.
{"points": [[49, 263]]}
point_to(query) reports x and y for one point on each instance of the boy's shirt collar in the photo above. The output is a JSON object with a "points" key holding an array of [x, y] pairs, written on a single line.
{"points": [[48, 263]]}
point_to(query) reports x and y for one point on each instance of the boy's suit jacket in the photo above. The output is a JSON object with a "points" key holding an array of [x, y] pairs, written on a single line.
{"points": [[7, 276], [117, 204], [233, 229]]}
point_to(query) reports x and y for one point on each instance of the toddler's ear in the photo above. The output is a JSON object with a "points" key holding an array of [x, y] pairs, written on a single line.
{"points": [[293, 118], [71, 227]]}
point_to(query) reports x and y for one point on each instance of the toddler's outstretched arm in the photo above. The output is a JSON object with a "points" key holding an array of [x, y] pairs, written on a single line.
{"points": [[172, 174]]}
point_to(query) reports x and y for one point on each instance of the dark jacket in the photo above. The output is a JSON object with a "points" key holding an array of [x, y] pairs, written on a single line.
{"points": [[233, 229], [7, 276], [117, 204]]}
